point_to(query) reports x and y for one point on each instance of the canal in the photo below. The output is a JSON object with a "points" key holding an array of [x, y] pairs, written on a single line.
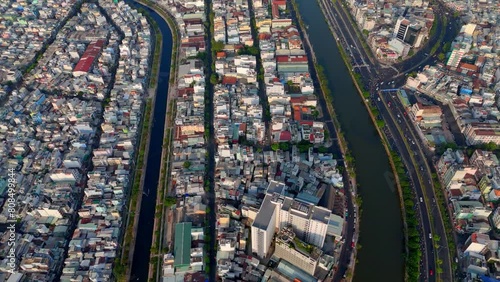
{"points": [[381, 234], [144, 231]]}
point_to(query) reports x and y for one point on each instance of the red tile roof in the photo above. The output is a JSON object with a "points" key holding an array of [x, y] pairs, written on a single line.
{"points": [[229, 80], [456, 192], [221, 55], [297, 100], [264, 36], [291, 59], [469, 67], [89, 56], [297, 116], [196, 38], [279, 3], [275, 12], [285, 136]]}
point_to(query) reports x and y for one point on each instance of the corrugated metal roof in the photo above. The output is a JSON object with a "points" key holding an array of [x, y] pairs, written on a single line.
{"points": [[182, 247]]}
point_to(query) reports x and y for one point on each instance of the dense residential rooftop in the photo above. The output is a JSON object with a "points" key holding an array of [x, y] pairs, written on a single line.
{"points": [[64, 119]]}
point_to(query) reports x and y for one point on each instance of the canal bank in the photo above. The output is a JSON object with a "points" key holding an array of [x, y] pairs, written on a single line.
{"points": [[339, 148], [382, 230], [162, 227], [141, 255], [379, 125]]}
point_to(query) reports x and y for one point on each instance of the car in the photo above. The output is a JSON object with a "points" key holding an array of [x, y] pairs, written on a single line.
{"points": [[430, 236], [421, 200], [431, 272], [353, 244]]}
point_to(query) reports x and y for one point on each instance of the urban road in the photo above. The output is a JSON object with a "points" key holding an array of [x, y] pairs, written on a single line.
{"points": [[403, 132], [211, 146]]}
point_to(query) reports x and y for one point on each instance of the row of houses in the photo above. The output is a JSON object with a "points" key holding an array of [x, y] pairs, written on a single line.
{"points": [[81, 64], [186, 258], [51, 140], [467, 82], [264, 94], [26, 28], [472, 187]]}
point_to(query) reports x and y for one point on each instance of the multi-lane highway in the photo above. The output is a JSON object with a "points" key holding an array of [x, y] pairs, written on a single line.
{"points": [[401, 142], [347, 37], [401, 128], [406, 125]]}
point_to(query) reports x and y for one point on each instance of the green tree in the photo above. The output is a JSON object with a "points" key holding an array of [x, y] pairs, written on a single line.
{"points": [[315, 113], [441, 56], [380, 123], [322, 149], [303, 146], [411, 53], [284, 146], [275, 147], [186, 164], [170, 201], [214, 79], [249, 50], [217, 46], [491, 146], [446, 47], [201, 55]]}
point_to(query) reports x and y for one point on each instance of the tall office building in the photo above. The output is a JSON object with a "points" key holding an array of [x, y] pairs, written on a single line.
{"points": [[401, 27], [456, 57], [408, 32], [297, 252], [411, 35], [263, 228], [308, 222]]}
